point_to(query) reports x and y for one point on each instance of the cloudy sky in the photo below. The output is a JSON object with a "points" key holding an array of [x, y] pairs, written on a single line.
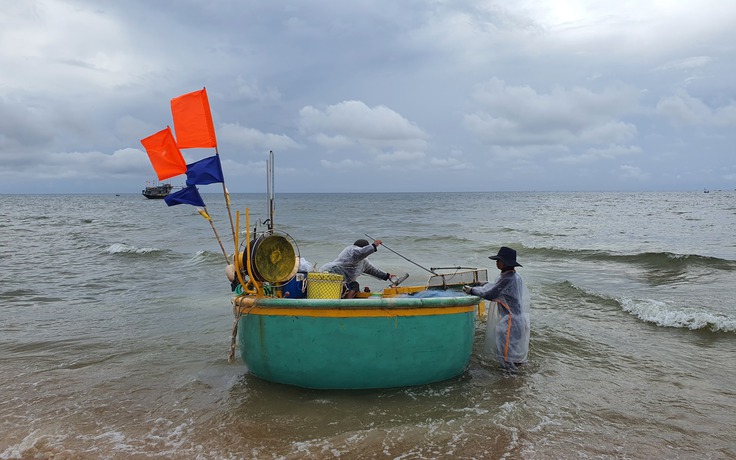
{"points": [[380, 95]]}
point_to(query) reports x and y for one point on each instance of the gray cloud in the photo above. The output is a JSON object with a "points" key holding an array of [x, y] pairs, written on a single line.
{"points": [[352, 123], [388, 96]]}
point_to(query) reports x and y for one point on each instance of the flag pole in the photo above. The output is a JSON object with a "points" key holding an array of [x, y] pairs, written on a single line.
{"points": [[206, 215], [227, 203]]}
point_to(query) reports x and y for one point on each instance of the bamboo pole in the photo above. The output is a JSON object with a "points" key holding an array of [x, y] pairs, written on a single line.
{"points": [[206, 215], [227, 201]]}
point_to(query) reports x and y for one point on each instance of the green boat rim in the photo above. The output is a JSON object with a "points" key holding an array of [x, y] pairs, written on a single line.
{"points": [[377, 302]]}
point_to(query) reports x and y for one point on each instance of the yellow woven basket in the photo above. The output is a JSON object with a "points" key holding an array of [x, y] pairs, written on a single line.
{"points": [[324, 285]]}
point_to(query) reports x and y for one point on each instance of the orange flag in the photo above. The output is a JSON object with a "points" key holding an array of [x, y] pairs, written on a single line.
{"points": [[164, 154], [193, 120]]}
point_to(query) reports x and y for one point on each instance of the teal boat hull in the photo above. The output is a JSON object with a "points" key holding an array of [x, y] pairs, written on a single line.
{"points": [[359, 343]]}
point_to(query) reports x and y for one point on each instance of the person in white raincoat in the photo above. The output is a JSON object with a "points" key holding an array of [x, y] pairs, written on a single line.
{"points": [[509, 322], [352, 263]]}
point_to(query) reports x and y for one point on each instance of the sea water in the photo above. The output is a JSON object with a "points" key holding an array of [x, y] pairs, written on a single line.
{"points": [[115, 321]]}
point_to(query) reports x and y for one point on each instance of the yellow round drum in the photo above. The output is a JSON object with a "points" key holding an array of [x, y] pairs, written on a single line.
{"points": [[273, 259]]}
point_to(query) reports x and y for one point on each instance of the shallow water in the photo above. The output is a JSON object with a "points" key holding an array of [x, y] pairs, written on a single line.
{"points": [[116, 322]]}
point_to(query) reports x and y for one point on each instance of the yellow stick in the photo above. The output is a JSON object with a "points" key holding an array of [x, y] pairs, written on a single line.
{"points": [[238, 261], [258, 286]]}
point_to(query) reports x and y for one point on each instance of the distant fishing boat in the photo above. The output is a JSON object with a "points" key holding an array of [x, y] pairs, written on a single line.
{"points": [[157, 192]]}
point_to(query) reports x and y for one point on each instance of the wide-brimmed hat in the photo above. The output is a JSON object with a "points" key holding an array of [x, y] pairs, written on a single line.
{"points": [[507, 256]]}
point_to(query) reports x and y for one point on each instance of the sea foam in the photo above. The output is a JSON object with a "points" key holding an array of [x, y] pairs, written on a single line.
{"points": [[663, 314], [120, 248]]}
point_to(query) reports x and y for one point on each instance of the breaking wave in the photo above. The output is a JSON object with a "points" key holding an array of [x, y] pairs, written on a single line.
{"points": [[207, 258], [662, 314], [649, 260], [654, 311], [120, 248]]}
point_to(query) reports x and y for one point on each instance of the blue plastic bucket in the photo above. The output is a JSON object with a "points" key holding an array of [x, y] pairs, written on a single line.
{"points": [[294, 289]]}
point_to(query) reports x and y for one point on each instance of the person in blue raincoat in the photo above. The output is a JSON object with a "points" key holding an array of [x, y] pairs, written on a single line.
{"points": [[351, 263], [509, 324]]}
